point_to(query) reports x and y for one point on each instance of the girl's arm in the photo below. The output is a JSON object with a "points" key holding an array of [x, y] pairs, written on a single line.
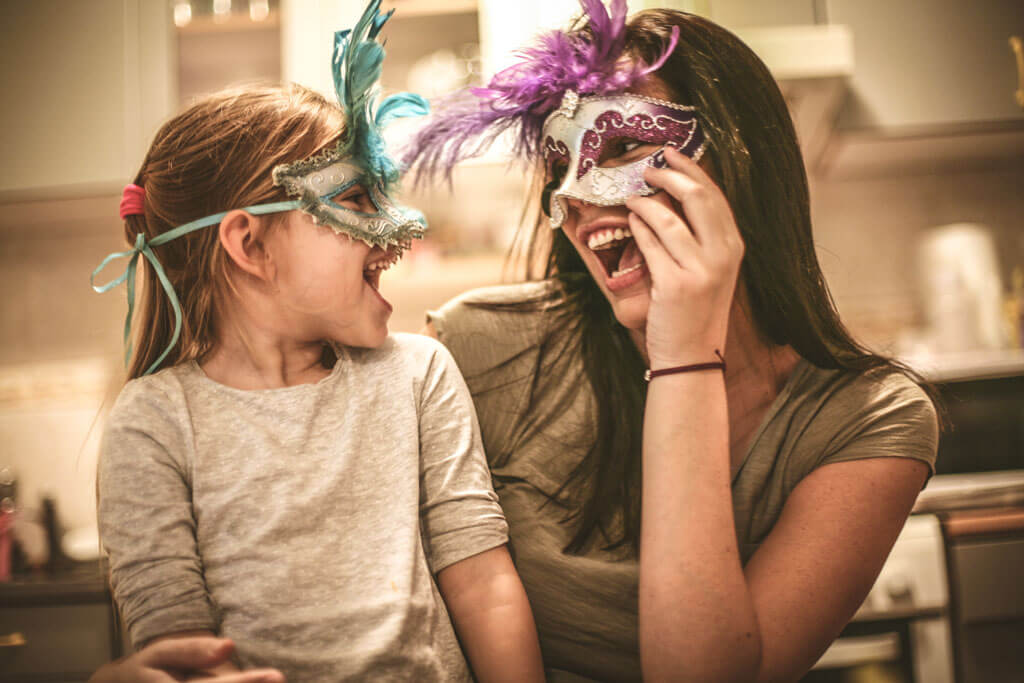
{"points": [[702, 616], [492, 617], [465, 531], [146, 519]]}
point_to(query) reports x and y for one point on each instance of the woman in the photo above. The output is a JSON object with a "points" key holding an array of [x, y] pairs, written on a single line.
{"points": [[718, 523]]}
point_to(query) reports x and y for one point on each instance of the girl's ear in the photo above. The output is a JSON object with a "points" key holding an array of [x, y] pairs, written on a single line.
{"points": [[241, 235]]}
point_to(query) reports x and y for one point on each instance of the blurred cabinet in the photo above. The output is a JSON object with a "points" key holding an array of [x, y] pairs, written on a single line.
{"points": [[743, 13], [85, 85], [56, 628], [935, 63]]}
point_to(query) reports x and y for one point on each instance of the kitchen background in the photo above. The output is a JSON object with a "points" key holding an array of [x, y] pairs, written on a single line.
{"points": [[911, 116]]}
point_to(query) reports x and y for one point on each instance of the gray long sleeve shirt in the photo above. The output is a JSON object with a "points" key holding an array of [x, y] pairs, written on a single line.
{"points": [[304, 522]]}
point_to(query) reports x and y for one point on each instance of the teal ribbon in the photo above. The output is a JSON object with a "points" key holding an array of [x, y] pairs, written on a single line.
{"points": [[144, 249]]}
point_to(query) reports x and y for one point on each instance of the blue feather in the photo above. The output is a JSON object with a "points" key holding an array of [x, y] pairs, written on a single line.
{"points": [[400, 105], [357, 64]]}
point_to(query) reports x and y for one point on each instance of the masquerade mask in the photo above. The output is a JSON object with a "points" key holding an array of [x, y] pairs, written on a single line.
{"points": [[360, 157], [318, 181], [557, 70], [579, 133]]}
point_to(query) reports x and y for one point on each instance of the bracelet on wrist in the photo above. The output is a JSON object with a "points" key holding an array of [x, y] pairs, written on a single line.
{"points": [[695, 367]]}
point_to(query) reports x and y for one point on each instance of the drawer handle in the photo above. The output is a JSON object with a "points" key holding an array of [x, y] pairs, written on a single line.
{"points": [[1017, 45], [12, 640]]}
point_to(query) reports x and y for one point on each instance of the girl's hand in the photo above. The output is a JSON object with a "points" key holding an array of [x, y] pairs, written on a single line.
{"points": [[181, 659], [693, 258]]}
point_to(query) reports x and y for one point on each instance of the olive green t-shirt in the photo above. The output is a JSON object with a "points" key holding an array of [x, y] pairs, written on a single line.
{"points": [[537, 416]]}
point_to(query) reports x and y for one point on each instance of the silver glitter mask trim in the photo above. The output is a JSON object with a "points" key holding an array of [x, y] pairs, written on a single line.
{"points": [[316, 180], [575, 134]]}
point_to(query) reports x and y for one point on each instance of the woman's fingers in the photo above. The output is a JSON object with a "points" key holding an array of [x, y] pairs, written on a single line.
{"points": [[251, 676], [659, 261], [199, 652], [668, 226], [703, 203]]}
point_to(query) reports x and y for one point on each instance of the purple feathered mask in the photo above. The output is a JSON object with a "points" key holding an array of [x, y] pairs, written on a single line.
{"points": [[521, 96]]}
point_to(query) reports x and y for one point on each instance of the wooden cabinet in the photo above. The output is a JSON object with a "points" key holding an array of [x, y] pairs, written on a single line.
{"points": [[85, 86], [56, 629], [930, 64]]}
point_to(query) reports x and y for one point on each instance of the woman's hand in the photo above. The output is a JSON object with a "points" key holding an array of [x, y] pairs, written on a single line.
{"points": [[693, 258], [181, 659]]}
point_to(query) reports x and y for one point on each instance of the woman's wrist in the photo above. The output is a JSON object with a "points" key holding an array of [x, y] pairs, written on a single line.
{"points": [[703, 366]]}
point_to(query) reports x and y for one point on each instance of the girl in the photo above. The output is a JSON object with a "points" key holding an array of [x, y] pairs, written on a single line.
{"points": [[724, 519], [280, 471]]}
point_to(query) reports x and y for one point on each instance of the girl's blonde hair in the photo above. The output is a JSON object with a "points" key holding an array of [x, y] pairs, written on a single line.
{"points": [[215, 156]]}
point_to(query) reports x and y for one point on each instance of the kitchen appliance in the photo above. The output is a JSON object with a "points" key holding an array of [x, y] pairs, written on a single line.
{"points": [[902, 631], [962, 290]]}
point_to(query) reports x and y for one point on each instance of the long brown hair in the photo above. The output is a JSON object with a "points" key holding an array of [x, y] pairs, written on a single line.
{"points": [[758, 164], [215, 156]]}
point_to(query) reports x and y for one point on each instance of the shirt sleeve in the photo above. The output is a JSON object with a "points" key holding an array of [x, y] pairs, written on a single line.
{"points": [[459, 510], [145, 517], [885, 417]]}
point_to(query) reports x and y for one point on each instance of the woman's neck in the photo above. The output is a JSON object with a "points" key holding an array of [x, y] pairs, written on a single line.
{"points": [[250, 355]]}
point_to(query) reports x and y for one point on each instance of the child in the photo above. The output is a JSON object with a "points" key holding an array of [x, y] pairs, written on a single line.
{"points": [[280, 471]]}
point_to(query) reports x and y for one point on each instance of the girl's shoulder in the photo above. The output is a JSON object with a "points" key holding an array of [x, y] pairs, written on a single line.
{"points": [[159, 394]]}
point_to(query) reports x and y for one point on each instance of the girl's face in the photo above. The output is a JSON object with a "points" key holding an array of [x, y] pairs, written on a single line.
{"points": [[326, 283]]}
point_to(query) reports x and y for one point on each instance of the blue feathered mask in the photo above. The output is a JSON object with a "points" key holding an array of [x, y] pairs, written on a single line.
{"points": [[357, 62], [360, 156]]}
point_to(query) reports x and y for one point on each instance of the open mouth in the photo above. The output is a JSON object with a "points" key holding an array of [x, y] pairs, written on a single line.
{"points": [[616, 249], [372, 271]]}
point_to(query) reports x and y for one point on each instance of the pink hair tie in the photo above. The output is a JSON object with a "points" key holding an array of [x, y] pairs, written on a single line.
{"points": [[132, 201]]}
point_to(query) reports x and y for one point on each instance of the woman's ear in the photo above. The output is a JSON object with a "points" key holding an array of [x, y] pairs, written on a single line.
{"points": [[241, 235]]}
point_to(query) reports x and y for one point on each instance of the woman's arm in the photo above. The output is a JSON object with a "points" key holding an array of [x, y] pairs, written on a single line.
{"points": [[177, 659], [492, 617], [702, 617]]}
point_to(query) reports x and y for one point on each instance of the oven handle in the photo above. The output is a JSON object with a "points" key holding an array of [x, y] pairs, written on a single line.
{"points": [[856, 650]]}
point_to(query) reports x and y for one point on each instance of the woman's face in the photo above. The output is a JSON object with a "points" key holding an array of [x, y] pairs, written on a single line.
{"points": [[601, 235]]}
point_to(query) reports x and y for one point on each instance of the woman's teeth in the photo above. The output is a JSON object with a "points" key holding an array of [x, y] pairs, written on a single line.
{"points": [[619, 273], [604, 239]]}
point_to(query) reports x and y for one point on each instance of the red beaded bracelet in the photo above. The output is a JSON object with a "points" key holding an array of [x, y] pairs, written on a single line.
{"points": [[716, 365]]}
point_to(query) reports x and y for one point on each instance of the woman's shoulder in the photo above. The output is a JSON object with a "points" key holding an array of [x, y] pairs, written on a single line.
{"points": [[488, 327], [522, 298], [877, 393], [849, 414]]}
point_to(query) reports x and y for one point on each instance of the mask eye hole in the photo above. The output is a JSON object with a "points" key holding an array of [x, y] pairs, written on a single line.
{"points": [[557, 168], [355, 197], [621, 151]]}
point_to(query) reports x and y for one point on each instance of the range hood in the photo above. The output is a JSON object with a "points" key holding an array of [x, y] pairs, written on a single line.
{"points": [[812, 64]]}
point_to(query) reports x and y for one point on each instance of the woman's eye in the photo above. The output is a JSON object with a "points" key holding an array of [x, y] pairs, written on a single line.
{"points": [[617, 148], [556, 173]]}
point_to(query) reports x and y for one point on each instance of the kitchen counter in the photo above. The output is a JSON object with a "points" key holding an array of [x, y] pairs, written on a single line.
{"points": [[57, 627], [82, 582]]}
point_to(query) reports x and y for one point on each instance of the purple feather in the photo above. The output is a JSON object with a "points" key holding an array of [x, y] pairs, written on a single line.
{"points": [[520, 97]]}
